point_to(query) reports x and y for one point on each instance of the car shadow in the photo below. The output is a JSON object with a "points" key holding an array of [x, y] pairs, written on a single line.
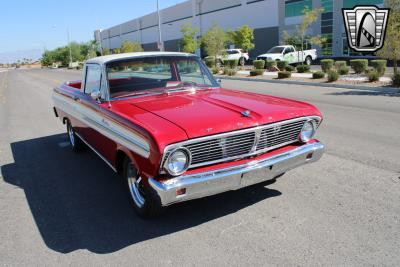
{"points": [[78, 202]]}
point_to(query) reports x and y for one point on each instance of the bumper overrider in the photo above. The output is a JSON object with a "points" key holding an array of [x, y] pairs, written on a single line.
{"points": [[231, 178]]}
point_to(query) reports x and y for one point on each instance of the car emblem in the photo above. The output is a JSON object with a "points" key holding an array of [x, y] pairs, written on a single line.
{"points": [[246, 113], [365, 27], [277, 129]]}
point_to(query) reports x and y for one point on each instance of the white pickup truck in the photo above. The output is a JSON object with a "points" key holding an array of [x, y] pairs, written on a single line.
{"points": [[288, 53]]}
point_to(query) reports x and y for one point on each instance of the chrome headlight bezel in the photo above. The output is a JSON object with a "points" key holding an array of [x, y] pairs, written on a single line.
{"points": [[307, 134], [167, 162]]}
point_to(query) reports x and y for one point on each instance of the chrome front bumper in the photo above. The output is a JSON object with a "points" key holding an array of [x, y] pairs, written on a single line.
{"points": [[217, 181]]}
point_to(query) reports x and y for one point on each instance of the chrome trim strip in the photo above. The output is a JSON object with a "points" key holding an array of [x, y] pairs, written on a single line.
{"points": [[208, 183], [104, 126], [97, 152], [222, 135]]}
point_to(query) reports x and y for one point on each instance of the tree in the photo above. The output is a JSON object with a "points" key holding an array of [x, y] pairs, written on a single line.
{"points": [[310, 16], [294, 39], [391, 48], [243, 37], [106, 52], [189, 41], [128, 47], [214, 41]]}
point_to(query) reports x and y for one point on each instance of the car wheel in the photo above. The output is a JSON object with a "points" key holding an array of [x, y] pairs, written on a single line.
{"points": [[76, 143], [145, 202], [308, 61], [241, 61]]}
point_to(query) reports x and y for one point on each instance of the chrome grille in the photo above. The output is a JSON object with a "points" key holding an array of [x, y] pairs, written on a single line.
{"points": [[220, 148], [279, 135], [242, 143]]}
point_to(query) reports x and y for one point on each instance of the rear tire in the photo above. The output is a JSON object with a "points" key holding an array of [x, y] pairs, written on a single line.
{"points": [[76, 143], [145, 201]]}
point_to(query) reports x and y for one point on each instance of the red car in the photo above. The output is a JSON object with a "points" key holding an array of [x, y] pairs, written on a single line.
{"points": [[163, 122]]}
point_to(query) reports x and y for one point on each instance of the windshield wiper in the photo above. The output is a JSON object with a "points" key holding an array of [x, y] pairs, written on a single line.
{"points": [[137, 94], [182, 86]]}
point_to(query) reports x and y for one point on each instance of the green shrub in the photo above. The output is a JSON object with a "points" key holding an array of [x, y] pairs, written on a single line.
{"points": [[373, 75], [326, 65], [281, 64], [359, 65], [343, 70], [259, 64], [256, 72], [333, 76], [210, 62], [303, 68], [229, 71], [379, 65], [270, 64], [396, 79], [215, 70], [284, 74], [231, 63], [290, 68], [340, 64], [318, 75]]}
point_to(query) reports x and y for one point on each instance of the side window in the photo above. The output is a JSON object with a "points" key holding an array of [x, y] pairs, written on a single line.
{"points": [[93, 78], [291, 50]]}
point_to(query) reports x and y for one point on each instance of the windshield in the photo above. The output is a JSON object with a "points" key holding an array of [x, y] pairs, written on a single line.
{"points": [[232, 52], [276, 50], [155, 74]]}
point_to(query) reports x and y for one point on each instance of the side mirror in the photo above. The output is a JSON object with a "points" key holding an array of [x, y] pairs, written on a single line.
{"points": [[95, 95]]}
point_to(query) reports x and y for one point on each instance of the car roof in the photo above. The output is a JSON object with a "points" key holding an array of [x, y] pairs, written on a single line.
{"points": [[109, 58]]}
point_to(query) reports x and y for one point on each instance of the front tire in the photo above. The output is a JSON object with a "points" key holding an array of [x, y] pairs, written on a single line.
{"points": [[145, 202], [308, 61], [76, 143], [242, 61]]}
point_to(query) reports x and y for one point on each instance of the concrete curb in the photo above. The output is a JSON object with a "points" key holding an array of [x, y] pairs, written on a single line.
{"points": [[330, 85]]}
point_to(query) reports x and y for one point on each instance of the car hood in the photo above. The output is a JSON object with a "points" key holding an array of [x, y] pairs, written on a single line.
{"points": [[271, 55], [207, 112]]}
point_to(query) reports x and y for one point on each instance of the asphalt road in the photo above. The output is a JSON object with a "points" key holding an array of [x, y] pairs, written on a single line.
{"points": [[60, 208]]}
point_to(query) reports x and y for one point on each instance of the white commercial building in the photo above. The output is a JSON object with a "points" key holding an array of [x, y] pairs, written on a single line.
{"points": [[268, 18]]}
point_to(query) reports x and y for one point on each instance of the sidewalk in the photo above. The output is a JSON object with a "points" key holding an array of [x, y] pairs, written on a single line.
{"points": [[351, 78], [382, 87]]}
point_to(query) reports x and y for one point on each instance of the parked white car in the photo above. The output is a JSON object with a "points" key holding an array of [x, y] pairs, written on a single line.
{"points": [[288, 53], [235, 53]]}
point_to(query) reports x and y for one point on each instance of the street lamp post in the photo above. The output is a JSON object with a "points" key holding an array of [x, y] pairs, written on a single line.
{"points": [[70, 50], [160, 43]]}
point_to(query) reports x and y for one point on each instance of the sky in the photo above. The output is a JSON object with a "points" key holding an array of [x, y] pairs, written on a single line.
{"points": [[33, 25]]}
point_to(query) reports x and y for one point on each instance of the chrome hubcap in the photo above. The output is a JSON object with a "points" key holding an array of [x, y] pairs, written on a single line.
{"points": [[135, 186], [71, 135]]}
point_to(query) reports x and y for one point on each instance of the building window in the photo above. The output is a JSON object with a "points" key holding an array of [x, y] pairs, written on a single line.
{"points": [[295, 7], [326, 49], [326, 32], [327, 5], [352, 3]]}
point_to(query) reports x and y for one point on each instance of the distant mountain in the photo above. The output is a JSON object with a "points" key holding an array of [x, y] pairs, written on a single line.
{"points": [[12, 57]]}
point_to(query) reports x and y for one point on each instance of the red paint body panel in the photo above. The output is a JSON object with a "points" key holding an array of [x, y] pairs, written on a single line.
{"points": [[170, 118]]}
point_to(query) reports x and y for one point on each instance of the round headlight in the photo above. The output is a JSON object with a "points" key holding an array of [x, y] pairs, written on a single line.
{"points": [[307, 132], [178, 161]]}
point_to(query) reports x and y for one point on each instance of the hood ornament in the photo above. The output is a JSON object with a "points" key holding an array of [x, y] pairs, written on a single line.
{"points": [[246, 113]]}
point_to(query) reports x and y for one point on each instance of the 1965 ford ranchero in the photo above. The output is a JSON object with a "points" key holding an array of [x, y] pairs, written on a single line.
{"points": [[163, 123]]}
